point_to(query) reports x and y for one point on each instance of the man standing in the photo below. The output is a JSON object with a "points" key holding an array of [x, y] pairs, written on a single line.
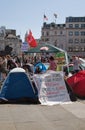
{"points": [[76, 64]]}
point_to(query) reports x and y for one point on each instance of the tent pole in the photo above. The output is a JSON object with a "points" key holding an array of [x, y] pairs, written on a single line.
{"points": [[67, 62]]}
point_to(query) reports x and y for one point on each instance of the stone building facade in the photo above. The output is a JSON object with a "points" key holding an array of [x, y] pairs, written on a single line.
{"points": [[8, 39], [54, 34], [69, 36], [75, 36]]}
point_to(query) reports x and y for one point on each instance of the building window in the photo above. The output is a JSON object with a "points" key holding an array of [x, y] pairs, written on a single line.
{"points": [[47, 39], [10, 44], [70, 33], [42, 33], [76, 49], [70, 41], [82, 33], [55, 43], [61, 32], [82, 48], [55, 32], [42, 39], [82, 19], [61, 46], [70, 25], [76, 40], [76, 25], [82, 25], [70, 49], [82, 40], [76, 33], [47, 33]]}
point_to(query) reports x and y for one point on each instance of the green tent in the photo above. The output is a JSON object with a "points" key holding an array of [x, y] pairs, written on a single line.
{"points": [[48, 48], [44, 47]]}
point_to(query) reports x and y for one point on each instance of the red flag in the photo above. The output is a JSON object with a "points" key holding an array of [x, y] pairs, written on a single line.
{"points": [[31, 40]]}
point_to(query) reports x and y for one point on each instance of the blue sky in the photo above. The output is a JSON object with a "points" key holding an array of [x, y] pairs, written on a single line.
{"points": [[23, 15]]}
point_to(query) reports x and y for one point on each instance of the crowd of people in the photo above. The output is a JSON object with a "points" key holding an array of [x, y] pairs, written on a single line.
{"points": [[8, 62]]}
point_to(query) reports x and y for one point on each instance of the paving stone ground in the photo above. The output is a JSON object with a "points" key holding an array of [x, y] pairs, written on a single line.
{"points": [[38, 117]]}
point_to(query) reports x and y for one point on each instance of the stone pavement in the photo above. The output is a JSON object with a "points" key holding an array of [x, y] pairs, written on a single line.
{"points": [[37, 117]]}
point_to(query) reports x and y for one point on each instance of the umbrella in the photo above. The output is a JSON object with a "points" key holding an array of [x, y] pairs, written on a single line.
{"points": [[44, 48]]}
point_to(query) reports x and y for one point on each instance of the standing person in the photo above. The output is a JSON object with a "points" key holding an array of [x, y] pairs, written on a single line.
{"points": [[10, 63], [4, 65], [3, 68], [53, 64], [16, 59], [76, 64]]}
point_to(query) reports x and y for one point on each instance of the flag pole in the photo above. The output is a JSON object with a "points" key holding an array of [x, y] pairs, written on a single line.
{"points": [[55, 17], [55, 20], [45, 18]]}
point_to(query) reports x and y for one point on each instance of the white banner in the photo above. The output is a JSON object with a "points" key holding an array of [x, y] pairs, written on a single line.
{"points": [[51, 88]]}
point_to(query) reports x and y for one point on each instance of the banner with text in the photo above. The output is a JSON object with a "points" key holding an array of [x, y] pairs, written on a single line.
{"points": [[51, 88], [24, 47]]}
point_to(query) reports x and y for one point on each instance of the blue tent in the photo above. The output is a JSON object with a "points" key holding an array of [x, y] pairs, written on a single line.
{"points": [[18, 86], [41, 66]]}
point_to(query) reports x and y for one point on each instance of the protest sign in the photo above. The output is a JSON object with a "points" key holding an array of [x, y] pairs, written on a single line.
{"points": [[51, 88]]}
